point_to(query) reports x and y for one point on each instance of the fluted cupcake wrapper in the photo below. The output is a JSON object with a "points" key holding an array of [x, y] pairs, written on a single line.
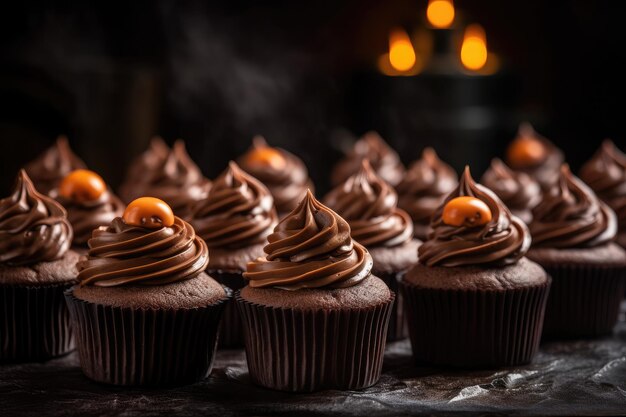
{"points": [[584, 300], [474, 328], [398, 329], [231, 333], [309, 350], [148, 347], [34, 323]]}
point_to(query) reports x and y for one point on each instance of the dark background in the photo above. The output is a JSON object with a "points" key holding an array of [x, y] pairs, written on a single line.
{"points": [[110, 75]]}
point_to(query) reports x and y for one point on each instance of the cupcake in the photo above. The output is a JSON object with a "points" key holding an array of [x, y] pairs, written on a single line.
{"points": [[283, 173], [535, 155], [36, 266], [474, 300], [89, 204], [47, 171], [234, 221], [425, 185], [382, 158], [572, 239], [314, 316], [517, 190], [167, 174], [368, 204], [605, 173], [144, 312]]}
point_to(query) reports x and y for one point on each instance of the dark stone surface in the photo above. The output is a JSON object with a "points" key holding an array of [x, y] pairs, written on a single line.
{"points": [[566, 378]]}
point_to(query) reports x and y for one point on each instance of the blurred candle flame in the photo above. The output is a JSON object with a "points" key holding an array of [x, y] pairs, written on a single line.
{"points": [[474, 48], [401, 53], [440, 13]]}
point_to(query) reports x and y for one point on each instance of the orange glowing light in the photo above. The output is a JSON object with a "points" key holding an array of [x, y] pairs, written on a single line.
{"points": [[401, 53], [474, 49], [440, 13]]}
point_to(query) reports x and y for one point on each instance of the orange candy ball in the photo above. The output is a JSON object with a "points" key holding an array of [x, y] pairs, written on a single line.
{"points": [[148, 212], [82, 185], [268, 157], [466, 211], [525, 152]]}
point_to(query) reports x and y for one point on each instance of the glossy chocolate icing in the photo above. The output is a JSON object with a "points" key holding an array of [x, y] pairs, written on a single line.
{"points": [[287, 180], [47, 170], [310, 248], [369, 205], [571, 216], [503, 240], [238, 212], [131, 255], [33, 227], [426, 183], [384, 160]]}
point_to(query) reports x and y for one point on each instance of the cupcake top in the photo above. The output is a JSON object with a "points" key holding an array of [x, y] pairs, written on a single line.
{"points": [[47, 170], [519, 192], [310, 248], [369, 205], [473, 227], [605, 173], [283, 173], [426, 183], [535, 155], [168, 174], [382, 158], [89, 203], [147, 246], [238, 212], [33, 227], [572, 216]]}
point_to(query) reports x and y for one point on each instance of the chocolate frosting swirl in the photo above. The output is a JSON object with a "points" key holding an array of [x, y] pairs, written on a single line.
{"points": [[33, 227], [89, 215], [546, 170], [519, 192], [47, 170], [426, 183], [369, 205], [121, 254], [501, 241], [168, 174], [238, 212], [287, 181], [310, 248], [605, 173], [571, 216], [381, 157]]}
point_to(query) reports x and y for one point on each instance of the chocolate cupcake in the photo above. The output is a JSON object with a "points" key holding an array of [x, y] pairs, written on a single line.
{"points": [[572, 239], [47, 170], [283, 173], [382, 158], [314, 317], [474, 300], [535, 155], [89, 204], [144, 312], [167, 174], [368, 204], [517, 190], [35, 268], [425, 185], [234, 221], [605, 173]]}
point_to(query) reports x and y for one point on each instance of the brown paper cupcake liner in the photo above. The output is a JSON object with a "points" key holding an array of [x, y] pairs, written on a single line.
{"points": [[398, 329], [584, 300], [149, 347], [474, 328], [34, 323], [310, 350], [231, 333]]}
